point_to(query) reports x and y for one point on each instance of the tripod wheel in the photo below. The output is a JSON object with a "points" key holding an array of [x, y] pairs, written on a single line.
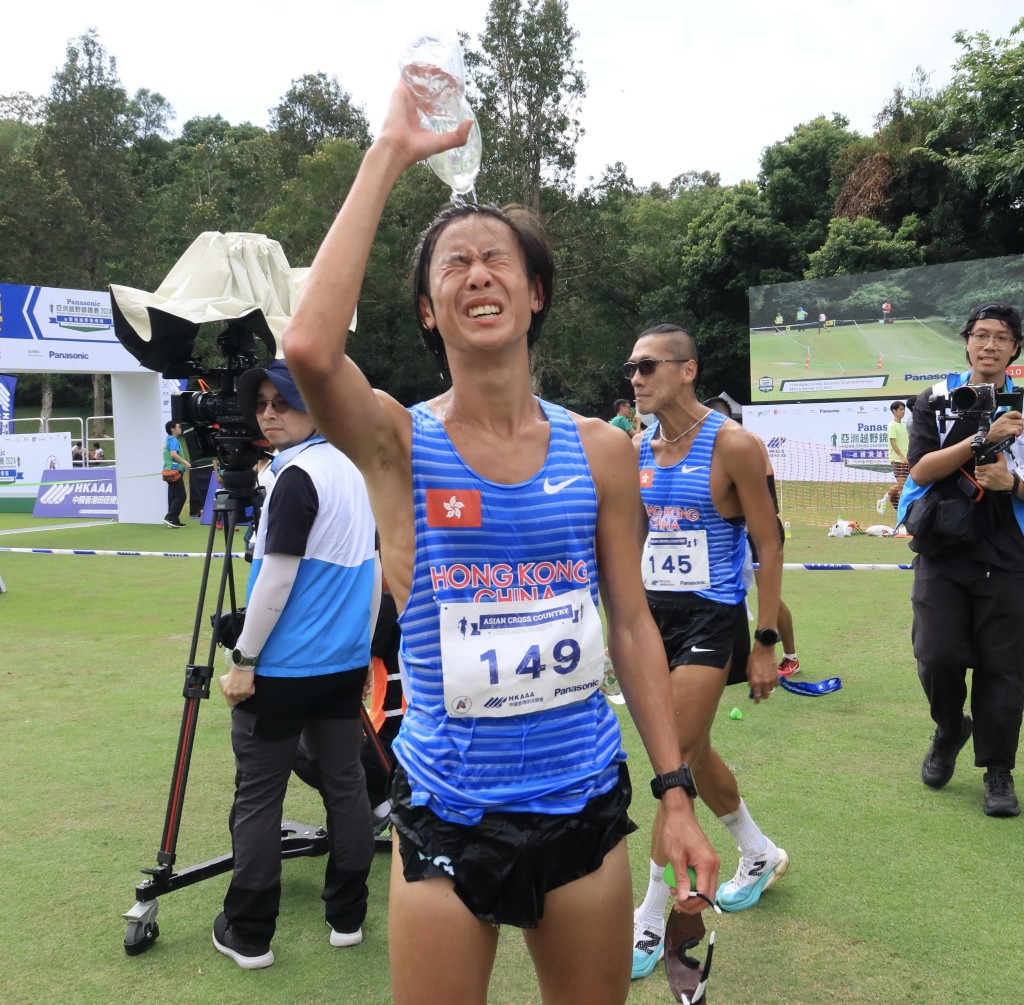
{"points": [[140, 936]]}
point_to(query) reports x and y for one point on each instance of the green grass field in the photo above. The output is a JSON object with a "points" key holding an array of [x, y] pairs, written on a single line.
{"points": [[904, 347], [896, 893]]}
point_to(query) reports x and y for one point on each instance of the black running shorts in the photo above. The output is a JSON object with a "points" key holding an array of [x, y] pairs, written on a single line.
{"points": [[700, 632], [503, 866]]}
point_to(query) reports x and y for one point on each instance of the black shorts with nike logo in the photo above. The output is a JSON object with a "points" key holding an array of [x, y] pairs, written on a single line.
{"points": [[700, 632]]}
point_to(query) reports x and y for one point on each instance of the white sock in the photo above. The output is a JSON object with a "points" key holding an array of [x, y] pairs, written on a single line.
{"points": [[651, 913], [789, 656], [745, 832]]}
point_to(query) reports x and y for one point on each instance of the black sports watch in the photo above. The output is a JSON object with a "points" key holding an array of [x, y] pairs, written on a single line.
{"points": [[681, 778], [767, 636], [241, 660]]}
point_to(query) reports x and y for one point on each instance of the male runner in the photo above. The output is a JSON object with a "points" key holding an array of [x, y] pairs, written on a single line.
{"points": [[702, 482]]}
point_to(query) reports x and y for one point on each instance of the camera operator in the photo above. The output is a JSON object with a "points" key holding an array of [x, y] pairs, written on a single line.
{"points": [[968, 586], [299, 668]]}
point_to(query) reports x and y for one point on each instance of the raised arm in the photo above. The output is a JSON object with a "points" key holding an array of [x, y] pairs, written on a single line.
{"points": [[744, 457], [365, 424]]}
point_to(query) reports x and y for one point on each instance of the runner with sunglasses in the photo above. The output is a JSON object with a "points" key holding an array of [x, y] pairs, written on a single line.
{"points": [[703, 487], [497, 512]]}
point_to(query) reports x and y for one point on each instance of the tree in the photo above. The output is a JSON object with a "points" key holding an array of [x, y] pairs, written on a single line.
{"points": [[85, 142], [796, 177], [527, 88], [858, 246], [22, 107], [219, 177], [151, 114], [980, 135], [734, 244], [316, 109]]}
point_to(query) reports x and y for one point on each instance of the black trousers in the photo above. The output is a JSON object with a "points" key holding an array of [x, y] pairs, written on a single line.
{"points": [[175, 499], [265, 734], [198, 486], [969, 615]]}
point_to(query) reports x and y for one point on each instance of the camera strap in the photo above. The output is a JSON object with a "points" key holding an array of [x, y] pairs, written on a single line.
{"points": [[974, 491]]}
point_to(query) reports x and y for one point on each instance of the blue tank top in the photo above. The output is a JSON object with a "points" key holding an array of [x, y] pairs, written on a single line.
{"points": [[480, 542], [679, 498]]}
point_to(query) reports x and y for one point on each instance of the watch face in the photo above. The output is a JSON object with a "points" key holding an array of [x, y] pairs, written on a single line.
{"points": [[767, 636]]}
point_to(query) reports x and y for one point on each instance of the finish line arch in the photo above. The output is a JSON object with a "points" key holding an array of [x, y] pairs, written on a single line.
{"points": [[57, 331]]}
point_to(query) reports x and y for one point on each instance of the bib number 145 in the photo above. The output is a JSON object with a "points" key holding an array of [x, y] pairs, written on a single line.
{"points": [[676, 561]]}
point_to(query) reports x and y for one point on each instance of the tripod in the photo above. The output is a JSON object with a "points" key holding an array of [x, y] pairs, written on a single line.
{"points": [[238, 492]]}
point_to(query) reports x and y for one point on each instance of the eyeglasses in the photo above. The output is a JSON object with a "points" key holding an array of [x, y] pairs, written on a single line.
{"points": [[279, 404], [1000, 341], [645, 367]]}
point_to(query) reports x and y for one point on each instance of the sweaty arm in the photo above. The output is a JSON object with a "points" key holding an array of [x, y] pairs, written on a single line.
{"points": [[637, 651], [743, 461], [371, 427]]}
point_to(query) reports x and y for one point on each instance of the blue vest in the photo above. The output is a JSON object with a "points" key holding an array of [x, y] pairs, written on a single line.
{"points": [[325, 625], [509, 542], [679, 497]]}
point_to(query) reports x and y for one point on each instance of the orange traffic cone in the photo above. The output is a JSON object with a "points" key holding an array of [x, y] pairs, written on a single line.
{"points": [[879, 362], [807, 363]]}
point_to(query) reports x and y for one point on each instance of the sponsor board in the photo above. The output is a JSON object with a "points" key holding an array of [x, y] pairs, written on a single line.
{"points": [[75, 492]]}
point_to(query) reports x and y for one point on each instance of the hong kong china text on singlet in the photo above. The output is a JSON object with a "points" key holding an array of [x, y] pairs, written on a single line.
{"points": [[502, 646], [689, 547]]}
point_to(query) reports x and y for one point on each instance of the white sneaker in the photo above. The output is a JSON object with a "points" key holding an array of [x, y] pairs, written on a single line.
{"points": [[648, 949], [755, 874], [341, 939]]}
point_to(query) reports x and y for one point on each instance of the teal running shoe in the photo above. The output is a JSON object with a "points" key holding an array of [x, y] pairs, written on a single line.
{"points": [[755, 874], [648, 949]]}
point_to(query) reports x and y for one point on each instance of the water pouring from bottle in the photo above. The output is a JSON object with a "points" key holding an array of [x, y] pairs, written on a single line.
{"points": [[433, 69]]}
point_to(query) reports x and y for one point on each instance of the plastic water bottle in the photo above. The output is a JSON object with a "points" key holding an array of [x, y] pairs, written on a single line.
{"points": [[432, 67], [787, 527]]}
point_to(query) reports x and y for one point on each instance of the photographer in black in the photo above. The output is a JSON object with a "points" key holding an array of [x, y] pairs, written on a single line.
{"points": [[967, 454]]}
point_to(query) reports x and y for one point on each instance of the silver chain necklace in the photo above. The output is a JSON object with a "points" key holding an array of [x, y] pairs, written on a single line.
{"points": [[688, 429]]}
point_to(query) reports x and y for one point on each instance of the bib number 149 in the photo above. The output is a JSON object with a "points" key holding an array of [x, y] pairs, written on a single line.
{"points": [[565, 653]]}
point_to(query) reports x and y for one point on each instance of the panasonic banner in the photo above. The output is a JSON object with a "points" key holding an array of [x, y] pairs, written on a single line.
{"points": [[826, 441]]}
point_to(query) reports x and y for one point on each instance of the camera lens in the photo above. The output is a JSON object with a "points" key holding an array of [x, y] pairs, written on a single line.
{"points": [[963, 399]]}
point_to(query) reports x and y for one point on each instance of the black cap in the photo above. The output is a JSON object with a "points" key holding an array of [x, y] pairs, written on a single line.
{"points": [[284, 383], [997, 312]]}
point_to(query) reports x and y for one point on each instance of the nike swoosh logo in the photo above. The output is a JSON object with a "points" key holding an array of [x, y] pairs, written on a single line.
{"points": [[552, 487], [687, 470], [697, 649]]}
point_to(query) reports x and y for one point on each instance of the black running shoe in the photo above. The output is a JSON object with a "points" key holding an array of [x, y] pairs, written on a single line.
{"points": [[940, 761], [245, 954], [1000, 798]]}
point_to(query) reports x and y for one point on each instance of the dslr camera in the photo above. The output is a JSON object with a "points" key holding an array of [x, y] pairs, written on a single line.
{"points": [[980, 400]]}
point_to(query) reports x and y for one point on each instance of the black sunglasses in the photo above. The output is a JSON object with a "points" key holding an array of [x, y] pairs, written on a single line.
{"points": [[645, 367]]}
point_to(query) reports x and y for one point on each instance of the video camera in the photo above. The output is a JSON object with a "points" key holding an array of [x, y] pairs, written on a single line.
{"points": [[219, 428], [978, 401]]}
